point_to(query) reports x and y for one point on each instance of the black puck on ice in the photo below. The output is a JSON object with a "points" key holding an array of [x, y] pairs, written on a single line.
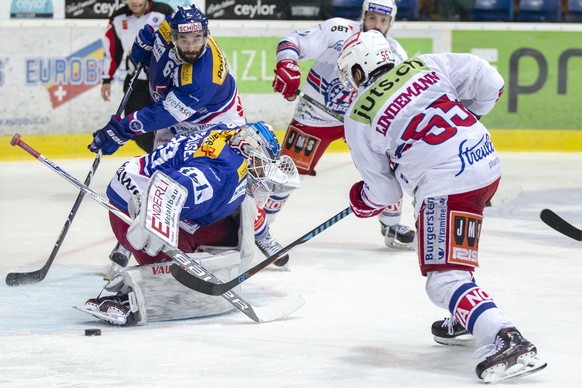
{"points": [[92, 332]]}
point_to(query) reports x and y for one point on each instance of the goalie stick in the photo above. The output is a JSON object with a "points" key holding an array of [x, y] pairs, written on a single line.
{"points": [[561, 225], [192, 280], [24, 278], [266, 313], [318, 104]]}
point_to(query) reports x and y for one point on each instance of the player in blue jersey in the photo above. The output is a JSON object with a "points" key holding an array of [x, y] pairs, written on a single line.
{"points": [[218, 171], [189, 82]]}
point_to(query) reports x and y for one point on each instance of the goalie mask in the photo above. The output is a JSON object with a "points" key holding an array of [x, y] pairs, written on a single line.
{"points": [[190, 32], [266, 167], [364, 55]]}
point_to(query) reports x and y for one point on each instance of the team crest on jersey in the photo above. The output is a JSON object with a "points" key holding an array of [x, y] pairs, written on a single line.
{"points": [[335, 95]]}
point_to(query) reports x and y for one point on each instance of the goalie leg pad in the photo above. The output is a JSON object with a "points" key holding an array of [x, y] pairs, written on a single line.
{"points": [[160, 297]]}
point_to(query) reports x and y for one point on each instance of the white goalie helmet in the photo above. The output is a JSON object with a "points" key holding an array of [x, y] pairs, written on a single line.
{"points": [[268, 169], [367, 50]]}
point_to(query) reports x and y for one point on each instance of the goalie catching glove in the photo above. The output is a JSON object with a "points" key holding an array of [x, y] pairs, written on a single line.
{"points": [[156, 214]]}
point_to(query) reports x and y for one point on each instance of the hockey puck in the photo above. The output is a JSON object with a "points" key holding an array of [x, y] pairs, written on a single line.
{"points": [[92, 332]]}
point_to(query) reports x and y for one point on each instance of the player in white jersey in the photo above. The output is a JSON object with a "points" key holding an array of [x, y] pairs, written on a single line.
{"points": [[312, 130], [123, 27], [414, 126]]}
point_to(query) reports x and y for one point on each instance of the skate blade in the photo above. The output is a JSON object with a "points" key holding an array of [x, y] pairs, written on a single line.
{"points": [[109, 318], [526, 365], [462, 340]]}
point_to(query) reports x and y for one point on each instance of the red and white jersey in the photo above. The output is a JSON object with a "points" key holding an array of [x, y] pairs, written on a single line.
{"points": [[121, 32], [323, 43], [415, 127]]}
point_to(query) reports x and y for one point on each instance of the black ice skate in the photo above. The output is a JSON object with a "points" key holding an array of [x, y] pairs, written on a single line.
{"points": [[511, 356], [398, 236], [269, 246], [114, 309], [450, 332]]}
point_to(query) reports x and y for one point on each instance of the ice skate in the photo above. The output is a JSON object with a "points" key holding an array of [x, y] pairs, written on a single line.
{"points": [[119, 257], [269, 246], [114, 309], [510, 356], [398, 236], [450, 332]]}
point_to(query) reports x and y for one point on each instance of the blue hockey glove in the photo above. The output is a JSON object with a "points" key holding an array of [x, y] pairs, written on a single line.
{"points": [[110, 137], [141, 51]]}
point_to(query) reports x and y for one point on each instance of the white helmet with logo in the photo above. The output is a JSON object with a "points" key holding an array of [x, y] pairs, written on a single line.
{"points": [[386, 7], [368, 51]]}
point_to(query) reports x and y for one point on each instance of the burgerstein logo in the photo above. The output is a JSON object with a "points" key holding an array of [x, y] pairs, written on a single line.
{"points": [[190, 27]]}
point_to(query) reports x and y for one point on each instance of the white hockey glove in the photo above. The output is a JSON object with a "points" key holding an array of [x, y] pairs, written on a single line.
{"points": [[156, 214]]}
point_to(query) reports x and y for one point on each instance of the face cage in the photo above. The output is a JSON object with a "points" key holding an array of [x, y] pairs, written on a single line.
{"points": [[261, 170]]}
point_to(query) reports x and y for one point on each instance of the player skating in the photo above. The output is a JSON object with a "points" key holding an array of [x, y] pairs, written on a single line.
{"points": [[414, 127], [312, 130], [124, 25]]}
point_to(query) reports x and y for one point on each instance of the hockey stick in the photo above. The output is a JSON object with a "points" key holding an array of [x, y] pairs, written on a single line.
{"points": [[318, 104], [266, 313], [561, 225], [23, 278], [190, 279]]}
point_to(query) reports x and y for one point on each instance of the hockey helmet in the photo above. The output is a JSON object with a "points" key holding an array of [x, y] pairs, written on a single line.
{"points": [[383, 7], [188, 19], [369, 51], [257, 143]]}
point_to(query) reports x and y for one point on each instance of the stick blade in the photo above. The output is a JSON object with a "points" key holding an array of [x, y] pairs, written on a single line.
{"points": [[14, 279], [557, 223]]}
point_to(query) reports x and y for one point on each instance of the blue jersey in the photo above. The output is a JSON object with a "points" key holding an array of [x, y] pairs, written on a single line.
{"points": [[187, 96], [204, 163]]}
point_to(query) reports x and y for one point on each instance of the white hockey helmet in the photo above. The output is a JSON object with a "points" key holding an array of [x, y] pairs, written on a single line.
{"points": [[368, 51], [386, 7]]}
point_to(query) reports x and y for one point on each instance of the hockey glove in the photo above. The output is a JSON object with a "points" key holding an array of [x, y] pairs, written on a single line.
{"points": [[110, 137], [141, 51], [287, 78], [156, 214], [359, 207]]}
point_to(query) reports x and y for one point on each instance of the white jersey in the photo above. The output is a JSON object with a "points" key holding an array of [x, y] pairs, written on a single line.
{"points": [[323, 43], [407, 129]]}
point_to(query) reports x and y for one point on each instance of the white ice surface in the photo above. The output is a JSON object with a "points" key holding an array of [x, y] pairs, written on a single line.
{"points": [[366, 321]]}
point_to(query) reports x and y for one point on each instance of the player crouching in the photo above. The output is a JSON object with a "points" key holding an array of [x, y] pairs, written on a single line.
{"points": [[200, 193]]}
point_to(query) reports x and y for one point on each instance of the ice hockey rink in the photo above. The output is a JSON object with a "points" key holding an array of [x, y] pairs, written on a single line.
{"points": [[366, 321]]}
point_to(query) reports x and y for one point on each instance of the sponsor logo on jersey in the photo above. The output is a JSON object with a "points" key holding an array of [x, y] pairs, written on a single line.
{"points": [[186, 74], [468, 303], [165, 31], [465, 229], [213, 144], [369, 103], [240, 190], [471, 154], [434, 231], [177, 108], [219, 65]]}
